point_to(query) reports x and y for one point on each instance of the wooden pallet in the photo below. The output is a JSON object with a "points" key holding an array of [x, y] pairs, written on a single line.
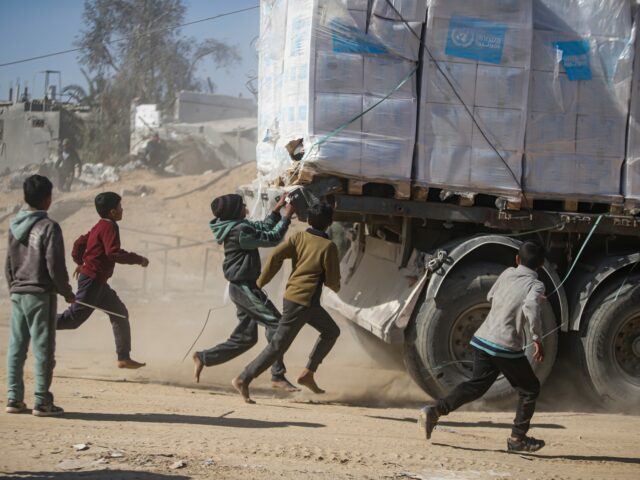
{"points": [[401, 188], [611, 206], [419, 193]]}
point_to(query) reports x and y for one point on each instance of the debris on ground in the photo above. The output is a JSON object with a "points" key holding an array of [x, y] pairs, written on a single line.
{"points": [[98, 173], [178, 464]]}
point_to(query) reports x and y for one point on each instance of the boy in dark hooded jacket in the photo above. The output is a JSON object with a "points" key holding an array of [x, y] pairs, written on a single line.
{"points": [[35, 271], [241, 267]]}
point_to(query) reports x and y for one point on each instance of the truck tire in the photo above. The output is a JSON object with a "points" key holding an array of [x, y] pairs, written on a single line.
{"points": [[610, 340], [437, 351]]}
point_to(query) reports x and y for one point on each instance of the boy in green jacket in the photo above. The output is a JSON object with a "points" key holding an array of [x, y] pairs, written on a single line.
{"points": [[241, 267], [315, 262]]}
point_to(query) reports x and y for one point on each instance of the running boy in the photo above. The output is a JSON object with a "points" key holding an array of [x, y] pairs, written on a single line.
{"points": [[314, 262], [241, 267], [498, 348], [96, 255], [35, 271]]}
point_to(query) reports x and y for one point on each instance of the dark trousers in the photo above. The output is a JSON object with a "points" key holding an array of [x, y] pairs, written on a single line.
{"points": [[65, 178], [101, 295], [294, 317], [486, 369], [253, 308]]}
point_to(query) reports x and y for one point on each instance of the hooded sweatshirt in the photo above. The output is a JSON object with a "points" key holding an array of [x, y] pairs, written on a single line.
{"points": [[35, 258], [242, 238], [516, 300]]}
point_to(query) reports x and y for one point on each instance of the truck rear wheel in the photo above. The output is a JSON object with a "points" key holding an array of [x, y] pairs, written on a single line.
{"points": [[611, 345], [437, 351]]}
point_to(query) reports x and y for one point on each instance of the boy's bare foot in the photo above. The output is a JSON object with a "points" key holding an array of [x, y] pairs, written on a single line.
{"points": [[306, 379], [130, 364], [197, 367], [242, 388], [285, 385]]}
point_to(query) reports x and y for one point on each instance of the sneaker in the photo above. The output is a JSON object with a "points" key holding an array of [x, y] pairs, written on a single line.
{"points": [[15, 407], [130, 364], [47, 410], [525, 444], [427, 420]]}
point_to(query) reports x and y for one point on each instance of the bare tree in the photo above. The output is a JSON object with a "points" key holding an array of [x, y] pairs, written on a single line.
{"points": [[134, 50]]}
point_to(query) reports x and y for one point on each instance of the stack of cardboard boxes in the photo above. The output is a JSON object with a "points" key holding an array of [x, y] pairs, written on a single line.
{"points": [[483, 49], [338, 62], [514, 93]]}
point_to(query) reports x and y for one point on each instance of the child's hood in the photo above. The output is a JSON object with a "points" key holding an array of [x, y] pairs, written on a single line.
{"points": [[221, 228], [23, 222]]}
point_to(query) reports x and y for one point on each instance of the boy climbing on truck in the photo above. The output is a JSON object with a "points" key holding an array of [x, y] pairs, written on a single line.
{"points": [[315, 262], [516, 299], [96, 254], [241, 267]]}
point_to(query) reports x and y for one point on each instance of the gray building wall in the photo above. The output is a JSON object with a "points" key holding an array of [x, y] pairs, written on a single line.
{"points": [[195, 107], [27, 137]]}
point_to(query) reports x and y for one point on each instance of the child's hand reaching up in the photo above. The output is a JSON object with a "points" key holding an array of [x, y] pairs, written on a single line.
{"points": [[538, 352], [289, 210]]}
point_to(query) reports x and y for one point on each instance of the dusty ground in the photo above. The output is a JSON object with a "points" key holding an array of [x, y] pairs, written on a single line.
{"points": [[140, 423]]}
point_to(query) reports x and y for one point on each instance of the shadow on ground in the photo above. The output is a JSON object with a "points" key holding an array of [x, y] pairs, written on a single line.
{"points": [[532, 456], [481, 424], [171, 418], [94, 475]]}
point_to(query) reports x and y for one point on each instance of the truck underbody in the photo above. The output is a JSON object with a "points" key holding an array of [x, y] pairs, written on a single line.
{"points": [[417, 274]]}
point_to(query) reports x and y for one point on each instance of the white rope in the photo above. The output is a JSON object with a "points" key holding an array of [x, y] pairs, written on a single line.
{"points": [[101, 309]]}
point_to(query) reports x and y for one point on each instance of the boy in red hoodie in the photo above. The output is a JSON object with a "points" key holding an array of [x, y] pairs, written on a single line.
{"points": [[96, 254]]}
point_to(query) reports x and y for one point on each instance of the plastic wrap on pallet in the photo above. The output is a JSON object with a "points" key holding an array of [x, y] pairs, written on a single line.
{"points": [[579, 97], [335, 62], [483, 49], [631, 170], [409, 10]]}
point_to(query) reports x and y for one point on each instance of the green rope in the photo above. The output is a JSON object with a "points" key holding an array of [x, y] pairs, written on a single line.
{"points": [[575, 261]]}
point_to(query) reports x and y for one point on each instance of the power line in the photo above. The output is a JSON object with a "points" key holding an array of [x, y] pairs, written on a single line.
{"points": [[62, 52]]}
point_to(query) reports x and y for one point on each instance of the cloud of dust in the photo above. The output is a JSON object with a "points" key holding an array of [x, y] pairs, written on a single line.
{"points": [[164, 326]]}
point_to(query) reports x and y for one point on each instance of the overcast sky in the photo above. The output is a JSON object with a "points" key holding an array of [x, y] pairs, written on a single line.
{"points": [[35, 27]]}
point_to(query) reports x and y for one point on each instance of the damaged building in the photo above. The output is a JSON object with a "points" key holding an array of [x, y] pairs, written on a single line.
{"points": [[207, 132]]}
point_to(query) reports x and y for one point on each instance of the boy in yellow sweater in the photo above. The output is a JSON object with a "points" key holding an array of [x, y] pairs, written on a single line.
{"points": [[315, 262]]}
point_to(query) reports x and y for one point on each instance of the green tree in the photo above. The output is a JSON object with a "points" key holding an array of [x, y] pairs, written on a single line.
{"points": [[134, 51]]}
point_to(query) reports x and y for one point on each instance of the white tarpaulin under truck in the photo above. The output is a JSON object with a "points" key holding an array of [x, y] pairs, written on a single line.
{"points": [[446, 132]]}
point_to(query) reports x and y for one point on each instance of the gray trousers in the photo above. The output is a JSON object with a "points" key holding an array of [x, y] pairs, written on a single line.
{"points": [[294, 317], [253, 308]]}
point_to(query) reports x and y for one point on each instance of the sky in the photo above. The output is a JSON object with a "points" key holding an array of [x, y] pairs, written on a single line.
{"points": [[36, 27]]}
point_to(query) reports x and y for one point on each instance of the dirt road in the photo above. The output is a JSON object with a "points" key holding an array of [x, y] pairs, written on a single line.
{"points": [[364, 427], [148, 428], [138, 424]]}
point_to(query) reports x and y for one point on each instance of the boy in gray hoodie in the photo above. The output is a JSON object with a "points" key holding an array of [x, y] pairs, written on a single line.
{"points": [[35, 270], [241, 267], [499, 348]]}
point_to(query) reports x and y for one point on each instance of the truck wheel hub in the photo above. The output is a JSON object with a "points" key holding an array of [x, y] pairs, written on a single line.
{"points": [[627, 346], [462, 330], [636, 346]]}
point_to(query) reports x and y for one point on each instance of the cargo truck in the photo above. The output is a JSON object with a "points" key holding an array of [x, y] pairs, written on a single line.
{"points": [[460, 152]]}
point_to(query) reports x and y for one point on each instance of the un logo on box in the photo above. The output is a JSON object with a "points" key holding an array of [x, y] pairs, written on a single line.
{"points": [[475, 39]]}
